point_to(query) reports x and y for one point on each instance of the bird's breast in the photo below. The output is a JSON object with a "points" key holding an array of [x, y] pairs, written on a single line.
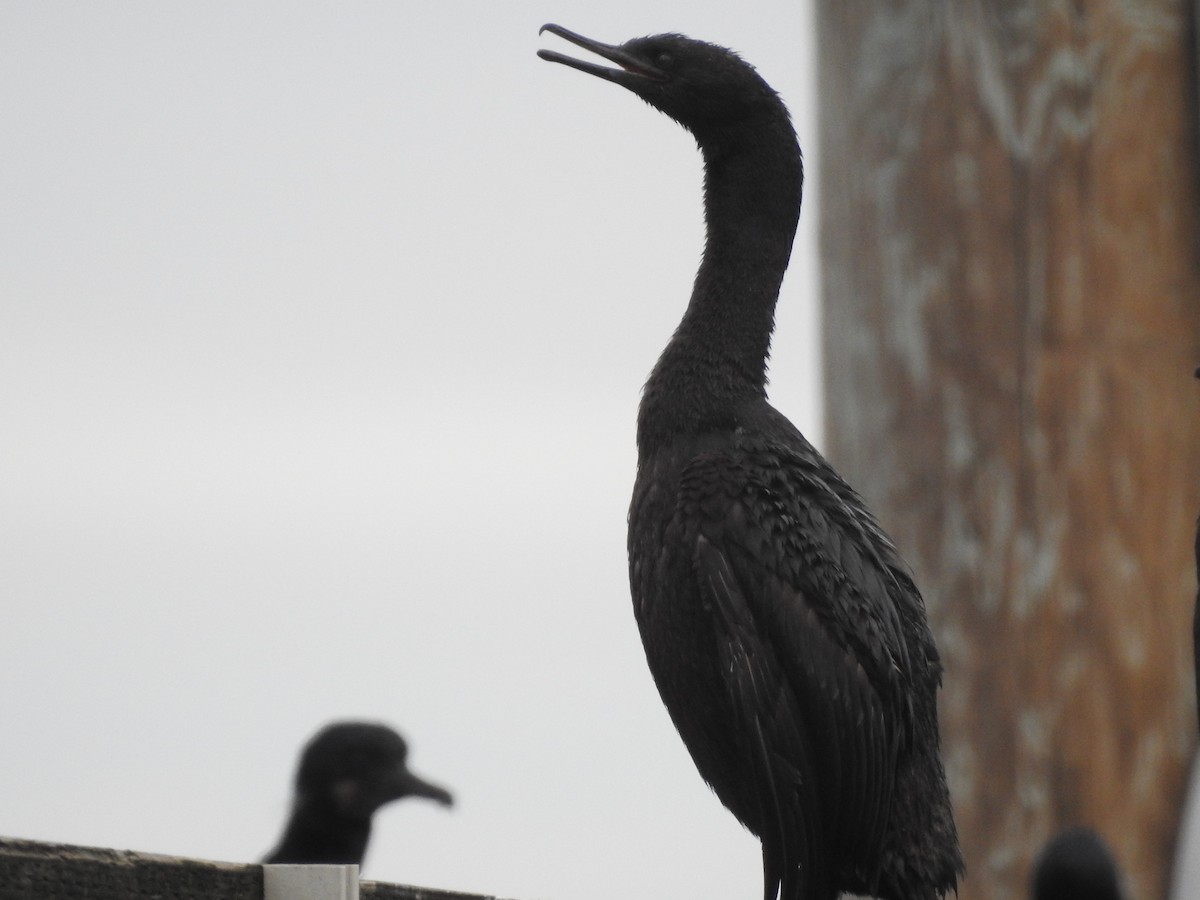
{"points": [[673, 614]]}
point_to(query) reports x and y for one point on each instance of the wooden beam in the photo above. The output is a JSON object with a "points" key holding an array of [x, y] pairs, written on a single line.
{"points": [[1011, 322], [32, 870]]}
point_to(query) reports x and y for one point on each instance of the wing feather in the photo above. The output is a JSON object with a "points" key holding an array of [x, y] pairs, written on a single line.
{"points": [[816, 658]]}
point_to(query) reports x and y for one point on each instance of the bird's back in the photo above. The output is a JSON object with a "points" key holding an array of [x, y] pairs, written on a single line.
{"points": [[790, 646]]}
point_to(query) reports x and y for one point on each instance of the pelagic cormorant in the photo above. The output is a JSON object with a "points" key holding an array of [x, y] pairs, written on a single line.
{"points": [[347, 771], [1076, 865], [784, 632]]}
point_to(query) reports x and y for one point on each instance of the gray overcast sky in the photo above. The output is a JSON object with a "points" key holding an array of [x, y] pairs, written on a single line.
{"points": [[322, 329]]}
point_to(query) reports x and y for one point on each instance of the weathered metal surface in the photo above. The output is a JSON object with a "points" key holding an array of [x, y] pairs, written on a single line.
{"points": [[1011, 322]]}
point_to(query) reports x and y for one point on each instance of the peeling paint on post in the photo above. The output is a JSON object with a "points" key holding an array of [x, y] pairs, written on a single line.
{"points": [[1012, 318]]}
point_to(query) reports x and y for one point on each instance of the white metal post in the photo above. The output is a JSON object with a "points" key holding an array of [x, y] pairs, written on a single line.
{"points": [[310, 882]]}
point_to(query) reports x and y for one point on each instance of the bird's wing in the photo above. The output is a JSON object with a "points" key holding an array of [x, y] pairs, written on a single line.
{"points": [[779, 760], [817, 657]]}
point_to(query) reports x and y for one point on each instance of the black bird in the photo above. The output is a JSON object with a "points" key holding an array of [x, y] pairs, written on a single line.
{"points": [[347, 771], [1076, 865], [785, 634]]}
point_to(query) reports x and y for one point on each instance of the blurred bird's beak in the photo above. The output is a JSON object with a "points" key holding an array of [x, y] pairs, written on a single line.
{"points": [[409, 785]]}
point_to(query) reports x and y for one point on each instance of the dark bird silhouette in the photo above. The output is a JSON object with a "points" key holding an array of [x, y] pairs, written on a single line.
{"points": [[785, 634], [1076, 865], [347, 771]]}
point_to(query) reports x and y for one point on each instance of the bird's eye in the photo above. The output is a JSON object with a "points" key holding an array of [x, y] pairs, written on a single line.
{"points": [[663, 59]]}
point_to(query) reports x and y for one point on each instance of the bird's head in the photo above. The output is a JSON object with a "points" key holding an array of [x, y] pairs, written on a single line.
{"points": [[706, 88], [358, 767]]}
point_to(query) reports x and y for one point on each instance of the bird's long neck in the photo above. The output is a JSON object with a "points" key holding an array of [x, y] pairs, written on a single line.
{"points": [[317, 832], [717, 358]]}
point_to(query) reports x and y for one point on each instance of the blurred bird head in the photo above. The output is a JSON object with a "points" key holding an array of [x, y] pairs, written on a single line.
{"points": [[357, 767]]}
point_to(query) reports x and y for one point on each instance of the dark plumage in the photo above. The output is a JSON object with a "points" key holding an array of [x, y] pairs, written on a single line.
{"points": [[785, 634], [348, 770], [1076, 865]]}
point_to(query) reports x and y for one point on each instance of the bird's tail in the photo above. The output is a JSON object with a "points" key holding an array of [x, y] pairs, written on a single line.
{"points": [[922, 860]]}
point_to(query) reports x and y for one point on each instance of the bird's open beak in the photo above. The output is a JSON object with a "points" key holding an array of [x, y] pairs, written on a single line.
{"points": [[628, 63]]}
